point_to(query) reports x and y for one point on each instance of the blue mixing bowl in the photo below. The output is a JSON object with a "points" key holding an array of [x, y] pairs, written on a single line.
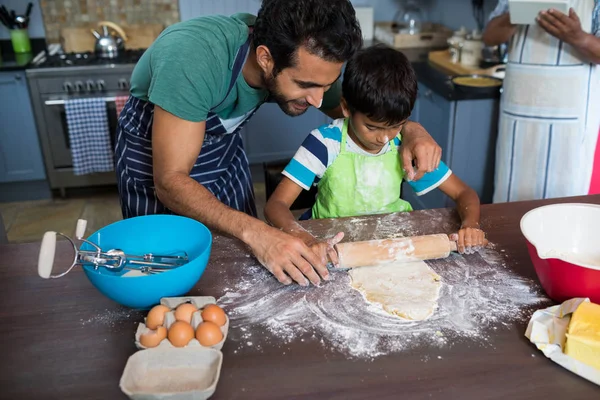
{"points": [[157, 234]]}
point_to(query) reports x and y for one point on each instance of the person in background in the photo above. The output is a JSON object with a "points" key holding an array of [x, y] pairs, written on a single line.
{"points": [[354, 160], [550, 114], [179, 148]]}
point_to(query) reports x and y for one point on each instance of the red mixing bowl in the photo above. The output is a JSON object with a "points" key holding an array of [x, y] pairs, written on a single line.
{"points": [[564, 246]]}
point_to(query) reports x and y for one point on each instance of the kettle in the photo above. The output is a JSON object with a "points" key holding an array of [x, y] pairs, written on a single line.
{"points": [[109, 45]]}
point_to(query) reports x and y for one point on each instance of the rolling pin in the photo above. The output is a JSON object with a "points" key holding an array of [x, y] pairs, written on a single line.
{"points": [[406, 249]]}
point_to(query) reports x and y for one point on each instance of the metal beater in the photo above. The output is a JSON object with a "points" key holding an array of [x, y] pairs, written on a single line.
{"points": [[114, 260]]}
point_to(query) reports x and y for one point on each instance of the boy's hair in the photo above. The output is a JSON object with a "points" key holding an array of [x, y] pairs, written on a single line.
{"points": [[380, 83], [327, 29]]}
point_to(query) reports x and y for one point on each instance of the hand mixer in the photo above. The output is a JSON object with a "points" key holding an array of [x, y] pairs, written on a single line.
{"points": [[114, 260]]}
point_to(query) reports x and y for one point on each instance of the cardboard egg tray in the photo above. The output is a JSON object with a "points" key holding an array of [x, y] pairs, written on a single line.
{"points": [[172, 303], [169, 372]]}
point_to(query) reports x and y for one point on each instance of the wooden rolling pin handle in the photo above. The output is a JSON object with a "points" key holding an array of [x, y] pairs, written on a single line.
{"points": [[453, 246]]}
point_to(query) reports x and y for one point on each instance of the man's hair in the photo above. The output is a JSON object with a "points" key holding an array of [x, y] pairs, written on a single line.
{"points": [[326, 28], [380, 83]]}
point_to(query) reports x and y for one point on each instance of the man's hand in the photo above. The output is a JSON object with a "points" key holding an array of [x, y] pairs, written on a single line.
{"points": [[419, 146], [288, 257], [564, 27]]}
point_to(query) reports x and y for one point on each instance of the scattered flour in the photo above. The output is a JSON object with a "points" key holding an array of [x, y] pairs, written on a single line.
{"points": [[109, 317], [480, 294], [388, 226]]}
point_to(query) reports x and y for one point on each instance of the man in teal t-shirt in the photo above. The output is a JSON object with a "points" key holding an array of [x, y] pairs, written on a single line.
{"points": [[178, 147]]}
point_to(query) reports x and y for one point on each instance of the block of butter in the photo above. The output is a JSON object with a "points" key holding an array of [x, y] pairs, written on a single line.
{"points": [[583, 335], [575, 324]]}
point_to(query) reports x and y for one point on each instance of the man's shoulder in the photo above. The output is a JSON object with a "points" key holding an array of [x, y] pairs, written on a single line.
{"points": [[220, 34]]}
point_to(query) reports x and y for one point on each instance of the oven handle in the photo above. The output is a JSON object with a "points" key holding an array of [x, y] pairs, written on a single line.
{"points": [[62, 102]]}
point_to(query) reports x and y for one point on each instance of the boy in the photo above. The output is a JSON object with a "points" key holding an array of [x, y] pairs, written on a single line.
{"points": [[354, 161]]}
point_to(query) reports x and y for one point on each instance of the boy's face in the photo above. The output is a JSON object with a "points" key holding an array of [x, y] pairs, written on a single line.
{"points": [[370, 135]]}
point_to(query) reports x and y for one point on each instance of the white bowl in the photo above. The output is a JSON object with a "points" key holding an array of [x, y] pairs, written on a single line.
{"points": [[569, 232]]}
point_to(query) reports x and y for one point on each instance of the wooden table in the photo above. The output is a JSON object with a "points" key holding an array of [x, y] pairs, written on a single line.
{"points": [[61, 339]]}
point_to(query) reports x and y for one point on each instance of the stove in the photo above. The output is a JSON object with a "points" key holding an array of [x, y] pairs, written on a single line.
{"points": [[55, 79], [87, 59]]}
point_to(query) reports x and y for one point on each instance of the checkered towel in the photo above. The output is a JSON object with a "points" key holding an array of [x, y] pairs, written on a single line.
{"points": [[89, 135], [120, 104]]}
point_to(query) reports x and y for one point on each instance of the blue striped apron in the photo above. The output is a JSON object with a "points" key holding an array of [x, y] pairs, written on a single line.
{"points": [[222, 166]]}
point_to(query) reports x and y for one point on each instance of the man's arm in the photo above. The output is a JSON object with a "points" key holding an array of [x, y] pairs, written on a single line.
{"points": [[589, 47], [568, 29], [277, 212], [176, 144], [499, 30]]}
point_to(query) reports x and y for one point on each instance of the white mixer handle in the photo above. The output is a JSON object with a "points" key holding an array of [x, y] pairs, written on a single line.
{"points": [[80, 230], [47, 250]]}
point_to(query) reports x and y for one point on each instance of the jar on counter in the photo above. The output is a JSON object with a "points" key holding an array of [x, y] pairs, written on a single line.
{"points": [[456, 44], [472, 47]]}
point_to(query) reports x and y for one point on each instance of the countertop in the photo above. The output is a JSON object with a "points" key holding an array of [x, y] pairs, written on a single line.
{"points": [[435, 79], [62, 339], [9, 61], [438, 80]]}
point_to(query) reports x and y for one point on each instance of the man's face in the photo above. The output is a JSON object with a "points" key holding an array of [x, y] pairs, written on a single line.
{"points": [[296, 88]]}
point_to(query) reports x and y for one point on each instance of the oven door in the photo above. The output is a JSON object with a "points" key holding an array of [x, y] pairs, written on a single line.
{"points": [[58, 130]]}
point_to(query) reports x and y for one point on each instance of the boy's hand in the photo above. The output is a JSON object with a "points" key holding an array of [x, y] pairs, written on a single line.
{"points": [[325, 249], [469, 239]]}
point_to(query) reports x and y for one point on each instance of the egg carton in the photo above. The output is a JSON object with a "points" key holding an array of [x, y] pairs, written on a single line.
{"points": [[174, 373], [172, 302]]}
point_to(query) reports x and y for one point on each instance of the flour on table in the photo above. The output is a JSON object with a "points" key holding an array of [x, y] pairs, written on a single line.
{"points": [[481, 294], [408, 290]]}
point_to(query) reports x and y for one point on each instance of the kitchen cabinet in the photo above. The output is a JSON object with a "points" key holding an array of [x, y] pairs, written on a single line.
{"points": [[466, 130], [20, 153], [272, 135]]}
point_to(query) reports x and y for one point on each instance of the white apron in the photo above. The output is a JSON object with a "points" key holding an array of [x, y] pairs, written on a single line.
{"points": [[549, 116]]}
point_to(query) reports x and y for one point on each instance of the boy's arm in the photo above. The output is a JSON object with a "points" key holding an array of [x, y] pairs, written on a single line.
{"points": [[277, 210], [278, 214], [470, 236], [466, 199]]}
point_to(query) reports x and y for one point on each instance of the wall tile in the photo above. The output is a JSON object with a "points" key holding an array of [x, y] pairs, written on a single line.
{"points": [[79, 13]]}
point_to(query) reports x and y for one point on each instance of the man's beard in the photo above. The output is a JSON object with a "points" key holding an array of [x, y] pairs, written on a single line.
{"points": [[293, 108]]}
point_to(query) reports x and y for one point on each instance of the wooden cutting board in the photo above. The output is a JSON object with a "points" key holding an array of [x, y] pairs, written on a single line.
{"points": [[442, 60], [80, 39]]}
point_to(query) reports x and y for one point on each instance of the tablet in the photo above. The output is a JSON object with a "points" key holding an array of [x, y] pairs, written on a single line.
{"points": [[524, 12]]}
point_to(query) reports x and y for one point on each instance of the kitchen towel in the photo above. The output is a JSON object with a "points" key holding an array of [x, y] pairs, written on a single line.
{"points": [[120, 104], [89, 135]]}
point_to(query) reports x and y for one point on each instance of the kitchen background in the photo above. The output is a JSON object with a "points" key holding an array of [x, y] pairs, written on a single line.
{"points": [[38, 190]]}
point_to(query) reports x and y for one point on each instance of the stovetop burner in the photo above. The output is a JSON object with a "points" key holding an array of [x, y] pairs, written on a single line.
{"points": [[88, 59]]}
